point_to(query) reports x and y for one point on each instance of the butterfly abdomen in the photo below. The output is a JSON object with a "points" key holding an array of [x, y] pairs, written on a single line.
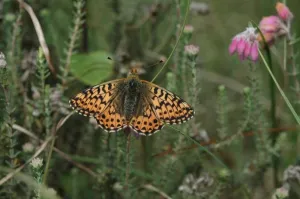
{"points": [[131, 97]]}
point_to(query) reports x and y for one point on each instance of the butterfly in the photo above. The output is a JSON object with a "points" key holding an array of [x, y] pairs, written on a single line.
{"points": [[131, 102]]}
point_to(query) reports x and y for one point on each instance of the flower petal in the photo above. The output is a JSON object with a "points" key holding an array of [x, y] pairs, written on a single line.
{"points": [[241, 46], [270, 24], [242, 57], [233, 45], [247, 49], [254, 51]]}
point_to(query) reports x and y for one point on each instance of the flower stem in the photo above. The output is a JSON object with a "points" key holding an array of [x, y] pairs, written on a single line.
{"points": [[128, 161], [274, 136], [288, 103], [48, 160]]}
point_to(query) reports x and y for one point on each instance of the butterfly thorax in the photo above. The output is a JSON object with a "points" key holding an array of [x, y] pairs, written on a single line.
{"points": [[132, 95]]}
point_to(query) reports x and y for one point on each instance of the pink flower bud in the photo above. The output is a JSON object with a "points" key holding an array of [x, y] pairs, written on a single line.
{"points": [[191, 50], [247, 50], [269, 37], [284, 12], [188, 29], [272, 28], [241, 46], [233, 45], [254, 51], [270, 24]]}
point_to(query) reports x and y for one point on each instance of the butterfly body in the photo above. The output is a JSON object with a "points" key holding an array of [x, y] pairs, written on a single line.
{"points": [[133, 92], [131, 102]]}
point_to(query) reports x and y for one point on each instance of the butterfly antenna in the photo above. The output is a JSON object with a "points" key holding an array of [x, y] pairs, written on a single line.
{"points": [[157, 63], [181, 31]]}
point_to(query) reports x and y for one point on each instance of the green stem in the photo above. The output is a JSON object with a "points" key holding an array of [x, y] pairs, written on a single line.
{"points": [[285, 53], [288, 103], [128, 162], [184, 22], [273, 96], [48, 161], [274, 136]]}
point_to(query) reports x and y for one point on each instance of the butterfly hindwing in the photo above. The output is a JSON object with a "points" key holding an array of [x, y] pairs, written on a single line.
{"points": [[110, 119], [146, 123], [96, 99]]}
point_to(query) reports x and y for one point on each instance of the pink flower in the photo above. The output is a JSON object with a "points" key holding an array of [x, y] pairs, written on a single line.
{"points": [[188, 29], [284, 12], [245, 44], [272, 27], [270, 24], [191, 50], [269, 38], [281, 193]]}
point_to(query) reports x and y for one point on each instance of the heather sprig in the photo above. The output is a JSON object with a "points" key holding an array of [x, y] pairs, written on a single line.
{"points": [[10, 141], [3, 84], [222, 112], [73, 41], [258, 122], [37, 170], [42, 74]]}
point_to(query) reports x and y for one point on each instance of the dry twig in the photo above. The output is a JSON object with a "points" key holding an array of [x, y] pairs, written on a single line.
{"points": [[154, 189], [11, 174], [39, 32]]}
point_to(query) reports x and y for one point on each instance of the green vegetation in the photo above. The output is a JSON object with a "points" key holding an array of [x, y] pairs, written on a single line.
{"points": [[242, 143]]}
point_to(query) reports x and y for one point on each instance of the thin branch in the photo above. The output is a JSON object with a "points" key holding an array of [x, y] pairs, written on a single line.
{"points": [[39, 32], [154, 189], [214, 144], [11, 174], [62, 154], [54, 131], [80, 166]]}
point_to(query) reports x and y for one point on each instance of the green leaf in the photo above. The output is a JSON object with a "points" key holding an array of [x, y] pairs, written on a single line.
{"points": [[91, 68]]}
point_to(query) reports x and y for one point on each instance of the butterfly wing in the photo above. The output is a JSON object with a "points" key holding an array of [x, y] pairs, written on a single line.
{"points": [[146, 122], [111, 119], [96, 99], [159, 107], [168, 107]]}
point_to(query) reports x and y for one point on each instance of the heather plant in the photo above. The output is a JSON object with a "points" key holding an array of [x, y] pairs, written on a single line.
{"points": [[243, 141]]}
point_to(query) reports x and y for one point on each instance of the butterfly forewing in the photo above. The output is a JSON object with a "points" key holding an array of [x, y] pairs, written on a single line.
{"points": [[168, 107], [96, 99]]}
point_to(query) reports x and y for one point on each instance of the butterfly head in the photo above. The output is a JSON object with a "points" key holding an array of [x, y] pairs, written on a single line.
{"points": [[133, 72], [133, 81]]}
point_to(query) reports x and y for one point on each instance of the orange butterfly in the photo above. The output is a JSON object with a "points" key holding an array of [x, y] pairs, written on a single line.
{"points": [[131, 102]]}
